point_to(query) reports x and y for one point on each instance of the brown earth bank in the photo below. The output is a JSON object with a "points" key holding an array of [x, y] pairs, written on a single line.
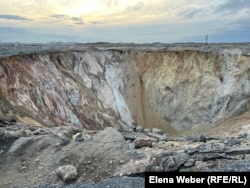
{"points": [[87, 113]]}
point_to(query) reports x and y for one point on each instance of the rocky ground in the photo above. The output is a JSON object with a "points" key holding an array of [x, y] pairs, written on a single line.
{"points": [[71, 157]]}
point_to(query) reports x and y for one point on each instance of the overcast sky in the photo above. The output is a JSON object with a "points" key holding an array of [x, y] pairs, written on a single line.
{"points": [[138, 21]]}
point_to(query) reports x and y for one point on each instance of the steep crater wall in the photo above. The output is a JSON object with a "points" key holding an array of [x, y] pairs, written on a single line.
{"points": [[190, 88], [94, 89]]}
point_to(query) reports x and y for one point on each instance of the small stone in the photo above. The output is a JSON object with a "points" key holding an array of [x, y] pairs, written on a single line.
{"points": [[155, 144], [143, 142], [190, 163], [57, 144], [27, 133], [242, 135], [173, 163], [66, 160], [157, 136], [64, 141], [202, 138], [130, 136], [232, 142], [67, 173], [139, 129], [23, 168], [158, 169], [221, 146], [131, 146], [86, 137], [77, 137], [186, 148], [165, 135], [157, 131], [209, 147], [146, 130], [247, 157]]}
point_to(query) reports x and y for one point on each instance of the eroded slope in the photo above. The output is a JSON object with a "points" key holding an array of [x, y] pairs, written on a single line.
{"points": [[191, 88], [93, 89]]}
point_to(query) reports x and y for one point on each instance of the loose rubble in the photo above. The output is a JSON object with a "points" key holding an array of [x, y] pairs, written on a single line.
{"points": [[59, 155]]}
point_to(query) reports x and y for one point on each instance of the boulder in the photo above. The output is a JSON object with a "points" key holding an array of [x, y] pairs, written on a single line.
{"points": [[157, 131], [22, 142], [143, 142], [108, 135], [67, 172]]}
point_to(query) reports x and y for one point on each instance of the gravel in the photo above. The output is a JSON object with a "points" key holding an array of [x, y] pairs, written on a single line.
{"points": [[115, 182]]}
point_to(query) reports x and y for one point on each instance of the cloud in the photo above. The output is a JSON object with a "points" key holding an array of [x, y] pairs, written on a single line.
{"points": [[233, 6], [190, 13], [96, 22], [58, 16], [63, 17], [77, 21], [136, 7], [111, 2], [13, 17]]}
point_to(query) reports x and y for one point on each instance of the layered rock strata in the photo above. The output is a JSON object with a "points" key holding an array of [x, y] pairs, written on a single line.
{"points": [[173, 90]]}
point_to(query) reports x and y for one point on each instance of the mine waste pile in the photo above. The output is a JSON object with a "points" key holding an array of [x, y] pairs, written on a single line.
{"points": [[98, 115]]}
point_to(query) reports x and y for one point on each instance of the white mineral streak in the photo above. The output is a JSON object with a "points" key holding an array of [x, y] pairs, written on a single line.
{"points": [[113, 78]]}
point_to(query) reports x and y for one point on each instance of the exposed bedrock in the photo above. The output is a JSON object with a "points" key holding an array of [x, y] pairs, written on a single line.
{"points": [[94, 89]]}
